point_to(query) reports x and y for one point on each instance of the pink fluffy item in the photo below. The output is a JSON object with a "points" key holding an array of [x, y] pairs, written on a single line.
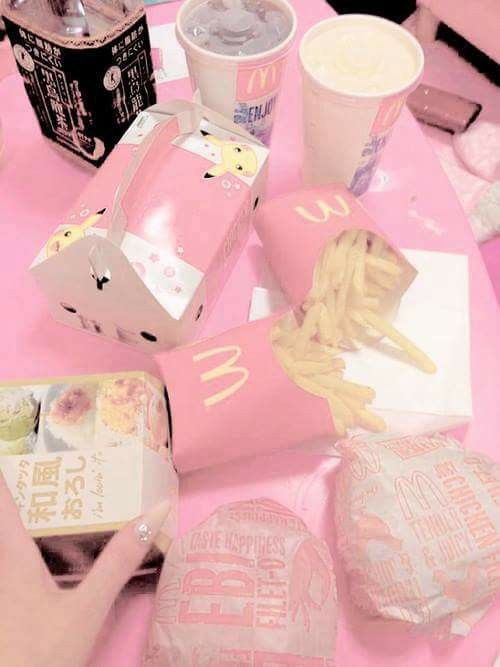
{"points": [[479, 149]]}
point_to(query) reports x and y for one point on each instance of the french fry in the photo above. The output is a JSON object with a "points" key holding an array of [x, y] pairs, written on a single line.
{"points": [[310, 367], [311, 386], [381, 279], [284, 356], [344, 289], [338, 364], [276, 333], [354, 404], [371, 302], [344, 245], [308, 329], [370, 421], [358, 278], [338, 425], [340, 409], [347, 388], [415, 353], [352, 276], [383, 265], [377, 245], [325, 328], [374, 290]]}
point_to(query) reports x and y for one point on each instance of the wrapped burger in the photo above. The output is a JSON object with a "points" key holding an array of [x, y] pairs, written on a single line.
{"points": [[418, 530], [249, 586]]}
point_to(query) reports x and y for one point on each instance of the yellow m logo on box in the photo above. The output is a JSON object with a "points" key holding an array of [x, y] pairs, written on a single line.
{"points": [[227, 367], [341, 209]]}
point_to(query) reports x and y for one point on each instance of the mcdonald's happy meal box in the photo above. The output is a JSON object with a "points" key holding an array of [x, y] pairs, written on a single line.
{"points": [[144, 253]]}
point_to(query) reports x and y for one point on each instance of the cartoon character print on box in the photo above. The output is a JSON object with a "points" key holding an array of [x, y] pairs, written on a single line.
{"points": [[71, 233], [248, 580], [387, 115], [418, 529], [236, 159], [257, 91], [164, 244]]}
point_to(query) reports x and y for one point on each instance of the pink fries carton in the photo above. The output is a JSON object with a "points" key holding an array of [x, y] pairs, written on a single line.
{"points": [[249, 587], [230, 398], [143, 255], [399, 318], [295, 227]]}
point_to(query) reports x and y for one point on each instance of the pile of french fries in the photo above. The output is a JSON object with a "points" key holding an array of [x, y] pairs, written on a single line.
{"points": [[353, 276]]}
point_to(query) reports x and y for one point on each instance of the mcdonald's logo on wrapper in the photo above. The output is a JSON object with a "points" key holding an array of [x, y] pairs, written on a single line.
{"points": [[226, 367], [422, 490]]}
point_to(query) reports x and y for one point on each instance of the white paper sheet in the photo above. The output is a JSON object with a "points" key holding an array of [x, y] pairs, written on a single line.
{"points": [[172, 63]]}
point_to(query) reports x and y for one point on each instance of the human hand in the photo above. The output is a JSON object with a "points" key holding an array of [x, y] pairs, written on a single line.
{"points": [[41, 624]]}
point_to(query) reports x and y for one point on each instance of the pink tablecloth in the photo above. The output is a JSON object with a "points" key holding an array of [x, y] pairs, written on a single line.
{"points": [[411, 198]]}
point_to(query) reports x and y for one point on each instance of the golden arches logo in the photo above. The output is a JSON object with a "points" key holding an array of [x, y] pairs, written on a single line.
{"points": [[267, 77], [227, 367], [419, 488], [392, 112], [341, 210]]}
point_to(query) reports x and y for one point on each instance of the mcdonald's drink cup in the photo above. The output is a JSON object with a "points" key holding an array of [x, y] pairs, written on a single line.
{"points": [[236, 53], [357, 73]]}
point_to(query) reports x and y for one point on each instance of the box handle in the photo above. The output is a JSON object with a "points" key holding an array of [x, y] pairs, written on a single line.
{"points": [[164, 133]]}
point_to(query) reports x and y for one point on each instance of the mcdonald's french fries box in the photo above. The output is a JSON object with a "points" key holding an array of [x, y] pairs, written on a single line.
{"points": [[145, 251], [82, 456]]}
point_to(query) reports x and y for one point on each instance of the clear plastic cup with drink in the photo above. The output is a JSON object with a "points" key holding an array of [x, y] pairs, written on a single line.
{"points": [[236, 51], [357, 73]]}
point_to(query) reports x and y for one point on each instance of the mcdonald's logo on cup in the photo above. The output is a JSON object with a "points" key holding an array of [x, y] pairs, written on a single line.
{"points": [[232, 354], [259, 81], [387, 114]]}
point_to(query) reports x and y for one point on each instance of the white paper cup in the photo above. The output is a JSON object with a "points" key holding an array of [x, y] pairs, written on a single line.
{"points": [[243, 88], [345, 132]]}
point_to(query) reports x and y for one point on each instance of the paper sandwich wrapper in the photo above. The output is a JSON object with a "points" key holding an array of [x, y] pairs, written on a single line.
{"points": [[249, 587], [78, 482], [417, 524], [143, 254]]}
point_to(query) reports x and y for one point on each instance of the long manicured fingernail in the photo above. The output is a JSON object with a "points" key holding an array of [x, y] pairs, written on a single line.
{"points": [[150, 523]]}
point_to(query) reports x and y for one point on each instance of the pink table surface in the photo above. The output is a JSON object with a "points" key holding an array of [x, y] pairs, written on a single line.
{"points": [[410, 197]]}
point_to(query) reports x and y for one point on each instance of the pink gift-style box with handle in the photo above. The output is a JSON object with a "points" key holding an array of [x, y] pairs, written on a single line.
{"points": [[144, 253]]}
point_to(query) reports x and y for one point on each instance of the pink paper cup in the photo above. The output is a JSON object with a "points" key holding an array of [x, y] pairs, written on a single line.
{"points": [[346, 130], [242, 88]]}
